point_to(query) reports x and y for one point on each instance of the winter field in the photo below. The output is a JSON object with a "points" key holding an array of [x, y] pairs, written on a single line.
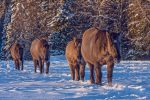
{"points": [[131, 81]]}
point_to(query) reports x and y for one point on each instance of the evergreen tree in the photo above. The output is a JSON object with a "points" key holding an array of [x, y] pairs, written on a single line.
{"points": [[6, 21], [2, 13], [30, 20], [136, 38], [72, 19], [59, 20]]}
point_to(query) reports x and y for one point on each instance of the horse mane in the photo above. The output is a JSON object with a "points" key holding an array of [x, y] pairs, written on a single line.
{"points": [[101, 38], [44, 42], [112, 49], [77, 39]]}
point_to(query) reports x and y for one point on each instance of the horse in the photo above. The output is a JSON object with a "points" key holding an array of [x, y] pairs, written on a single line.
{"points": [[98, 49], [75, 59], [40, 53], [16, 51]]}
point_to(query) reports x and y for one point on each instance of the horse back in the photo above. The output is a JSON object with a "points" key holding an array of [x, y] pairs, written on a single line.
{"points": [[71, 52], [16, 51], [39, 49], [95, 44], [88, 48]]}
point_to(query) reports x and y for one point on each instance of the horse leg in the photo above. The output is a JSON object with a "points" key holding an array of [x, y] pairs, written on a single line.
{"points": [[91, 67], [82, 71], [43, 66], [21, 64], [47, 62], [72, 71], [15, 61], [98, 74], [47, 67], [110, 67], [40, 64], [77, 78], [35, 65]]}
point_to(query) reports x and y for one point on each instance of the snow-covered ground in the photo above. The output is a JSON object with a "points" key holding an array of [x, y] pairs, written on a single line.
{"points": [[131, 80]]}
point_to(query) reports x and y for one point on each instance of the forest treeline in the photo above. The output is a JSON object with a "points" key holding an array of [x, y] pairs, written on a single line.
{"points": [[60, 20]]}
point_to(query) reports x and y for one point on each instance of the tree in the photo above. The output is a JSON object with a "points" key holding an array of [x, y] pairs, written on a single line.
{"points": [[138, 28], [6, 21], [72, 19], [60, 20], [139, 22], [30, 19], [2, 13]]}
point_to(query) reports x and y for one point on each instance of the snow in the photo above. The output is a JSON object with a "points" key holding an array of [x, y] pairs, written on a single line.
{"points": [[130, 81]]}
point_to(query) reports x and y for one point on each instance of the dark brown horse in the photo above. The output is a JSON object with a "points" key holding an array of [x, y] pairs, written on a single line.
{"points": [[98, 49], [75, 59], [40, 54], [16, 51]]}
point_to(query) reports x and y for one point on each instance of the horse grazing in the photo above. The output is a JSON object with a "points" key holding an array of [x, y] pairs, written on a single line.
{"points": [[98, 49], [40, 54], [16, 51], [75, 59]]}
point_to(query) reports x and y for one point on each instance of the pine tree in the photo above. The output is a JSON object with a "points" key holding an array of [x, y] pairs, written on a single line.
{"points": [[6, 21], [137, 29], [30, 20], [2, 13], [60, 20], [72, 19], [139, 22]]}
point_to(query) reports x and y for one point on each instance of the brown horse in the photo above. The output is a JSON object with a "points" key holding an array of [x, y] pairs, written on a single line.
{"points": [[98, 49], [16, 51], [40, 54], [75, 59]]}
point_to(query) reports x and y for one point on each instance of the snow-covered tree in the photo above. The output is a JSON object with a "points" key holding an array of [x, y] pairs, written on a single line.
{"points": [[130, 18], [2, 13], [137, 25], [139, 22], [30, 19], [7, 18], [60, 20], [73, 18]]}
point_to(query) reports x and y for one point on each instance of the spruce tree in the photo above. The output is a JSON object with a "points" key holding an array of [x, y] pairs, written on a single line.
{"points": [[4, 48]]}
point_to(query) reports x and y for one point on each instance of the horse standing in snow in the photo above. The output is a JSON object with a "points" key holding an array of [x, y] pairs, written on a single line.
{"points": [[98, 49], [16, 51], [40, 54], [75, 59]]}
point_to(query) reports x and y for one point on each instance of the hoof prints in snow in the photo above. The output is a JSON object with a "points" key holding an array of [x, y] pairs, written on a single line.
{"points": [[130, 81]]}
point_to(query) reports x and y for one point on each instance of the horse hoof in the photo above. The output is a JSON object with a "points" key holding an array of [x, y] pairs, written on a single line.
{"points": [[98, 83], [110, 84], [77, 79], [92, 82]]}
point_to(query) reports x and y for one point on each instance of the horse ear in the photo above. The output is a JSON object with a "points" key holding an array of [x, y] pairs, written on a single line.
{"points": [[74, 40]]}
